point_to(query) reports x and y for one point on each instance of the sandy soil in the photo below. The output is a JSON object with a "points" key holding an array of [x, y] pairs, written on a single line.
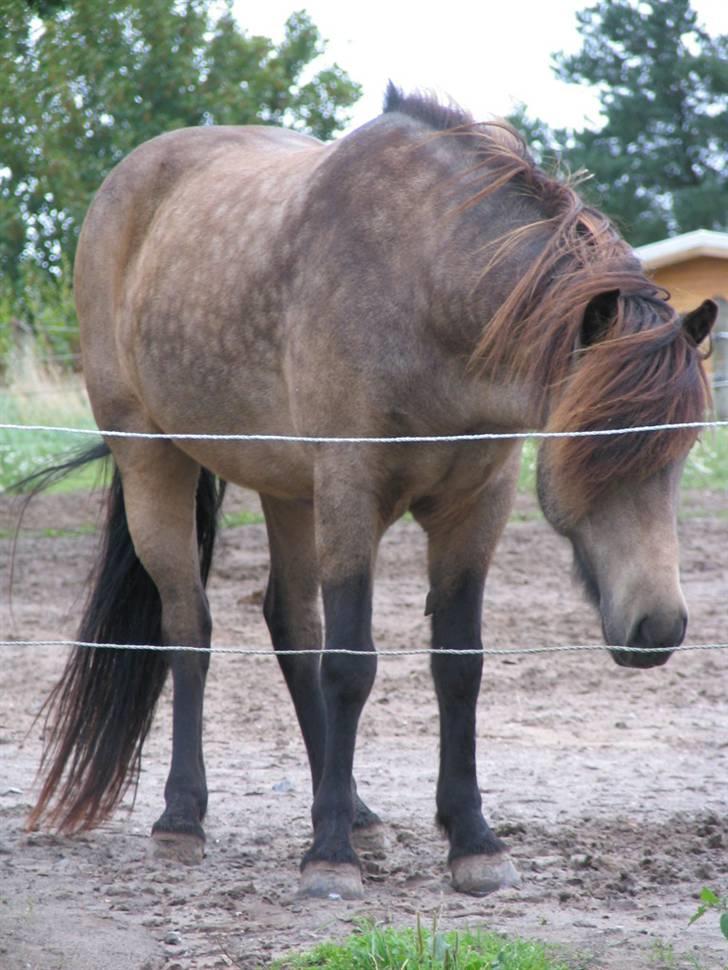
{"points": [[610, 785]]}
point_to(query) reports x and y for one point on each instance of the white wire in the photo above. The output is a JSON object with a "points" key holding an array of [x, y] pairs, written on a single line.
{"points": [[400, 439], [352, 440], [253, 652]]}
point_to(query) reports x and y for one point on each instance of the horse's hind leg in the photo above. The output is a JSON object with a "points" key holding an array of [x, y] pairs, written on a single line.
{"points": [[460, 549], [160, 486], [292, 613]]}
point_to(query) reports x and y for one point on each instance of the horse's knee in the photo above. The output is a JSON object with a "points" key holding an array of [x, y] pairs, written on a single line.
{"points": [[348, 677], [457, 677]]}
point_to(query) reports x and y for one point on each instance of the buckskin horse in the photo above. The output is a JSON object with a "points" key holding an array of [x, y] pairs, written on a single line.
{"points": [[421, 276]]}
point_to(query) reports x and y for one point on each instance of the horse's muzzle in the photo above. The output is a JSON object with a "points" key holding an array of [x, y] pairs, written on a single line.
{"points": [[657, 634]]}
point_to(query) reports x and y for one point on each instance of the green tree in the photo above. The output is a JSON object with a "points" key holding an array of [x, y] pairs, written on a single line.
{"points": [[45, 7], [89, 81], [660, 160]]}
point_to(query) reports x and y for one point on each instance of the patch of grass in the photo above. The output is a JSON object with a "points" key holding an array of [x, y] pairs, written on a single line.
{"points": [[706, 467], [688, 512], [232, 520], [707, 464], [664, 956], [527, 474], [84, 529], [387, 948], [39, 395]]}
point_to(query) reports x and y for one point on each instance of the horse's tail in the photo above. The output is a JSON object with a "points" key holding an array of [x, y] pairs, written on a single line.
{"points": [[99, 713]]}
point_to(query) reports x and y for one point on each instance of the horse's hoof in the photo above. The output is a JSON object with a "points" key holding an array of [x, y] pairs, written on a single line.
{"points": [[369, 838], [184, 847], [328, 880], [483, 874]]}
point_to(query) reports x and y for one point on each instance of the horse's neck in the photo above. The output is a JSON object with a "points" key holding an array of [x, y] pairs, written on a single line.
{"points": [[471, 299]]}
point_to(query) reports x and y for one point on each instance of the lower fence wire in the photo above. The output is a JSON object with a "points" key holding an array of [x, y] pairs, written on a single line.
{"points": [[418, 652]]}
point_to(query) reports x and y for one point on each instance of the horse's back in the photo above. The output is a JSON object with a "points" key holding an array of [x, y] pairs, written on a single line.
{"points": [[136, 188]]}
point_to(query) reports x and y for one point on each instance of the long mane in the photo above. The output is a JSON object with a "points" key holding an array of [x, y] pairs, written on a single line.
{"points": [[644, 369]]}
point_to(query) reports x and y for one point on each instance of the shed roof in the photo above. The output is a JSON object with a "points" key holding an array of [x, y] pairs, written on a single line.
{"points": [[677, 249]]}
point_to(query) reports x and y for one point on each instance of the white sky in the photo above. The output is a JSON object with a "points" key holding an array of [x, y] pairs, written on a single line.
{"points": [[486, 54]]}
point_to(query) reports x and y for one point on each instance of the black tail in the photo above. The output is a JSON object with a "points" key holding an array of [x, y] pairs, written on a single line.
{"points": [[99, 713]]}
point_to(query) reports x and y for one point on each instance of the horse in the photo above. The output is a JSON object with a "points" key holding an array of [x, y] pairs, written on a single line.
{"points": [[421, 276]]}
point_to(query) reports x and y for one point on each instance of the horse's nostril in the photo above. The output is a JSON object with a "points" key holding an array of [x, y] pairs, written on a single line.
{"points": [[656, 630], [644, 633], [683, 628]]}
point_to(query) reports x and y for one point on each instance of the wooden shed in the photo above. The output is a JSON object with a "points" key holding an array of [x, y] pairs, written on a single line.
{"points": [[693, 267]]}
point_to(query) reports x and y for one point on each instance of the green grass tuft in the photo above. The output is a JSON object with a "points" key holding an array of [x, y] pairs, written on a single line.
{"points": [[387, 948], [527, 474], [232, 520]]}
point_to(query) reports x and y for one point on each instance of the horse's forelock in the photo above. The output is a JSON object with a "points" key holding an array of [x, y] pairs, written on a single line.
{"points": [[645, 372]]}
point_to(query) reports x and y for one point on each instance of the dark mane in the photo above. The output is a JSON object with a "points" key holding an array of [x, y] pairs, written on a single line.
{"points": [[643, 371], [426, 108]]}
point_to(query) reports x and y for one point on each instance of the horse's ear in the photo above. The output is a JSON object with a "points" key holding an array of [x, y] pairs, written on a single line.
{"points": [[599, 313], [698, 323]]}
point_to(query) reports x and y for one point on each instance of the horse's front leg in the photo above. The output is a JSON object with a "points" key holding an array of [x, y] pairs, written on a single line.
{"points": [[478, 859], [459, 554], [347, 536], [292, 613]]}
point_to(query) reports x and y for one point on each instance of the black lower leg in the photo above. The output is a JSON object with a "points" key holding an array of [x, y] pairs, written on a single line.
{"points": [[456, 625], [346, 681], [301, 673], [185, 792], [302, 676]]}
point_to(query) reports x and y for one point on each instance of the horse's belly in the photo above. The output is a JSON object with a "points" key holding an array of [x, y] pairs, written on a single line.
{"points": [[211, 403], [283, 470]]}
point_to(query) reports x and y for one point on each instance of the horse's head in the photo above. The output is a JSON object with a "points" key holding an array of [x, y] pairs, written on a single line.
{"points": [[615, 497], [626, 555]]}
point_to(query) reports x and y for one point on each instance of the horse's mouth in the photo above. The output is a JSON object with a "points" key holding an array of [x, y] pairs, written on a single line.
{"points": [[650, 643], [643, 659]]}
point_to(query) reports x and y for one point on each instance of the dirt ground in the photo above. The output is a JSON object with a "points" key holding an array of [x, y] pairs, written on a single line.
{"points": [[610, 785]]}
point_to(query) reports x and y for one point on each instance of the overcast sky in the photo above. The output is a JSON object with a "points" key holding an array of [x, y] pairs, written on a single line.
{"points": [[486, 55]]}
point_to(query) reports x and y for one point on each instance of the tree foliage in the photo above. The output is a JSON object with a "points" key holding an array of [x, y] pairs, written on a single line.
{"points": [[89, 81], [660, 160]]}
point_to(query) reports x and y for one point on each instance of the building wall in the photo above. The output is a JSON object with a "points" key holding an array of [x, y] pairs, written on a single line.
{"points": [[689, 283], [693, 280]]}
